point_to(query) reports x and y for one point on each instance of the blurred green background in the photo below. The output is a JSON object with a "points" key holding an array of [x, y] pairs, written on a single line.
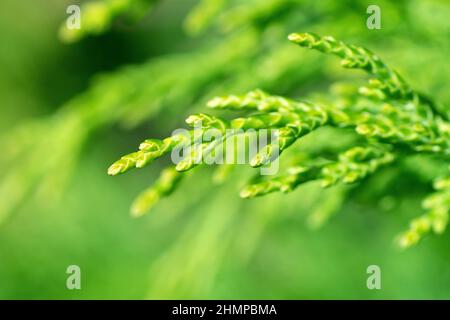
{"points": [[62, 125]]}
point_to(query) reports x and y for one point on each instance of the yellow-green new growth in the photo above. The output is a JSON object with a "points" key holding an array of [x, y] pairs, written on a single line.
{"points": [[436, 219], [355, 57], [355, 164], [96, 17], [284, 184], [163, 186], [387, 83], [150, 150]]}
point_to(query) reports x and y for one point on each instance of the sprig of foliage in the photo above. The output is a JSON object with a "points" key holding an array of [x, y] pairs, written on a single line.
{"points": [[386, 82], [127, 97], [437, 206], [392, 119], [251, 53], [98, 16], [353, 57], [164, 185]]}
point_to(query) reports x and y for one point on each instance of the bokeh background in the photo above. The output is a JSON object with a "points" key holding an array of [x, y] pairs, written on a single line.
{"points": [[71, 108]]}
